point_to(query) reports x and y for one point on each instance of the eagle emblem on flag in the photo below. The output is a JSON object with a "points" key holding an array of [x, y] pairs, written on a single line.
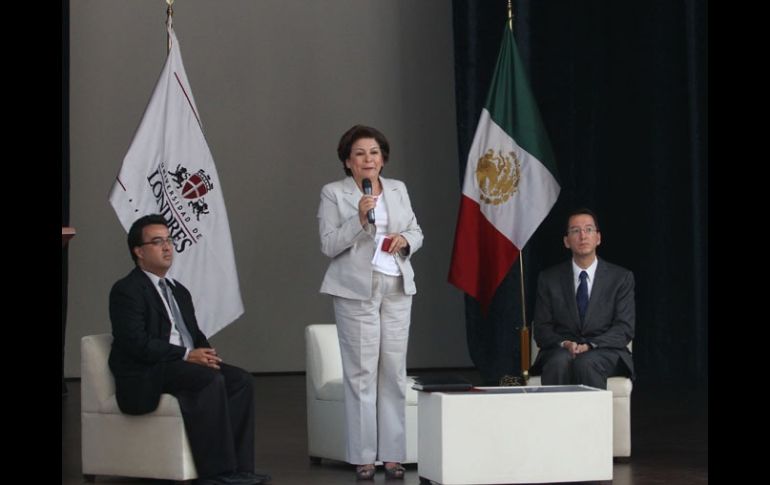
{"points": [[497, 176]]}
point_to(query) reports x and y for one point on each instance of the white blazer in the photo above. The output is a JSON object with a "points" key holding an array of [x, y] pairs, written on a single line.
{"points": [[352, 247]]}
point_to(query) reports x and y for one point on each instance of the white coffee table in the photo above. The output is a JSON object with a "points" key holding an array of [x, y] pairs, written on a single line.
{"points": [[515, 435]]}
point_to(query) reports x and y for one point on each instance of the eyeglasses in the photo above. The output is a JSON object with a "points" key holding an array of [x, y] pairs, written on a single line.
{"points": [[575, 231], [159, 241]]}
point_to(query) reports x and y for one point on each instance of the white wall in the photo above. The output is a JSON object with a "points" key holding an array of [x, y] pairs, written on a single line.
{"points": [[276, 82]]}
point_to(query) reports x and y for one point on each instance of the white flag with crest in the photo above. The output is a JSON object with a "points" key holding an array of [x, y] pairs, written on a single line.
{"points": [[169, 170]]}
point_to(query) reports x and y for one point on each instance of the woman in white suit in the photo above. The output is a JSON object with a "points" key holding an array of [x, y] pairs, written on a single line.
{"points": [[371, 281]]}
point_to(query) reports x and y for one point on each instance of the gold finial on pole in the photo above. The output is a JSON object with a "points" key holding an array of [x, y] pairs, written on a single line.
{"points": [[169, 21], [510, 16]]}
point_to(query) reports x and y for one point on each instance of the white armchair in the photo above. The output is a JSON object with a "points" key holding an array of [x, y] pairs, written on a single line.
{"points": [[152, 445], [325, 398], [621, 388]]}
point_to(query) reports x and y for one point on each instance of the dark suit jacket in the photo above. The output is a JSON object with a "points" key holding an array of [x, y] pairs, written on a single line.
{"points": [[141, 328], [609, 320]]}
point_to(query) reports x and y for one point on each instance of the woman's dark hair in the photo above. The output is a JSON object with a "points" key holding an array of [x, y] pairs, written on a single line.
{"points": [[582, 211], [135, 233], [356, 133]]}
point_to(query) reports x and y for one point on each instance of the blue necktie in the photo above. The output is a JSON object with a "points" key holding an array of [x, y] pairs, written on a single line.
{"points": [[187, 340], [582, 296]]}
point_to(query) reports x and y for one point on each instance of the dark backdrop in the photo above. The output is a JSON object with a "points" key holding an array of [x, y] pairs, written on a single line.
{"points": [[622, 89], [65, 167]]}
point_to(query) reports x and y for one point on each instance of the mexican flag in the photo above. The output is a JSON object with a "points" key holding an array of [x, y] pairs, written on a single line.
{"points": [[510, 181]]}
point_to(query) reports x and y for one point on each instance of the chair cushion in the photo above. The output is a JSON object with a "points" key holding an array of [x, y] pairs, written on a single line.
{"points": [[620, 386], [168, 406], [323, 359], [333, 391]]}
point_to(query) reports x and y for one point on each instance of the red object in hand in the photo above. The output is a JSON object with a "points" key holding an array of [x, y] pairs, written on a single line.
{"points": [[386, 244]]}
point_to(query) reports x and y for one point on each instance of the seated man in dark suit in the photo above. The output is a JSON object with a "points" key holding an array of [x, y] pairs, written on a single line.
{"points": [[585, 313], [159, 348]]}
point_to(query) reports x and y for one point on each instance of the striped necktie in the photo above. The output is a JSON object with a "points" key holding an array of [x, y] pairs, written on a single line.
{"points": [[178, 320]]}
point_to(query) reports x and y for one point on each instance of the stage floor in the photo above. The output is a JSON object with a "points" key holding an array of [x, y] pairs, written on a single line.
{"points": [[669, 438]]}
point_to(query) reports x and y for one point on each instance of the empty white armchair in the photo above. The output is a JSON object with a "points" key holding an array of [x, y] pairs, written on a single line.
{"points": [[621, 408], [325, 398], [152, 445]]}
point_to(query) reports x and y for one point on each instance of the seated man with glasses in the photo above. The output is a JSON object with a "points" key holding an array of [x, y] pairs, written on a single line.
{"points": [[584, 313], [159, 348]]}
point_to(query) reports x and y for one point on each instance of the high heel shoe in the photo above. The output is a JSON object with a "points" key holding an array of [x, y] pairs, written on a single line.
{"points": [[365, 472], [394, 472]]}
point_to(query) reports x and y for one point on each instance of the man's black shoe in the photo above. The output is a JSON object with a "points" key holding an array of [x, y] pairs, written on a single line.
{"points": [[256, 476], [206, 481], [238, 478]]}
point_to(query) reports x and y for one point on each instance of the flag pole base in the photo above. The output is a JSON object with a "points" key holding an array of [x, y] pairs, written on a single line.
{"points": [[508, 380]]}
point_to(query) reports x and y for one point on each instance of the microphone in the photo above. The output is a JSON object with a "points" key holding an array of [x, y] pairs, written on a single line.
{"points": [[368, 191]]}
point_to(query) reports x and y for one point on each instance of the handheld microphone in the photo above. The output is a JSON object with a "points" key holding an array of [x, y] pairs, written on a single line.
{"points": [[367, 184]]}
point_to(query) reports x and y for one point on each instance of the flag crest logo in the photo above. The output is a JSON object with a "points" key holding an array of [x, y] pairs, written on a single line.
{"points": [[497, 176], [197, 185], [193, 188]]}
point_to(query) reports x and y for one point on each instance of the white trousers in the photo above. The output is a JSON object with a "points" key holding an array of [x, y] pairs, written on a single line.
{"points": [[373, 338]]}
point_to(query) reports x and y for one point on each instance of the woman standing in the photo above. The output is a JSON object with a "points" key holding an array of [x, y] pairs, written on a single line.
{"points": [[370, 232]]}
